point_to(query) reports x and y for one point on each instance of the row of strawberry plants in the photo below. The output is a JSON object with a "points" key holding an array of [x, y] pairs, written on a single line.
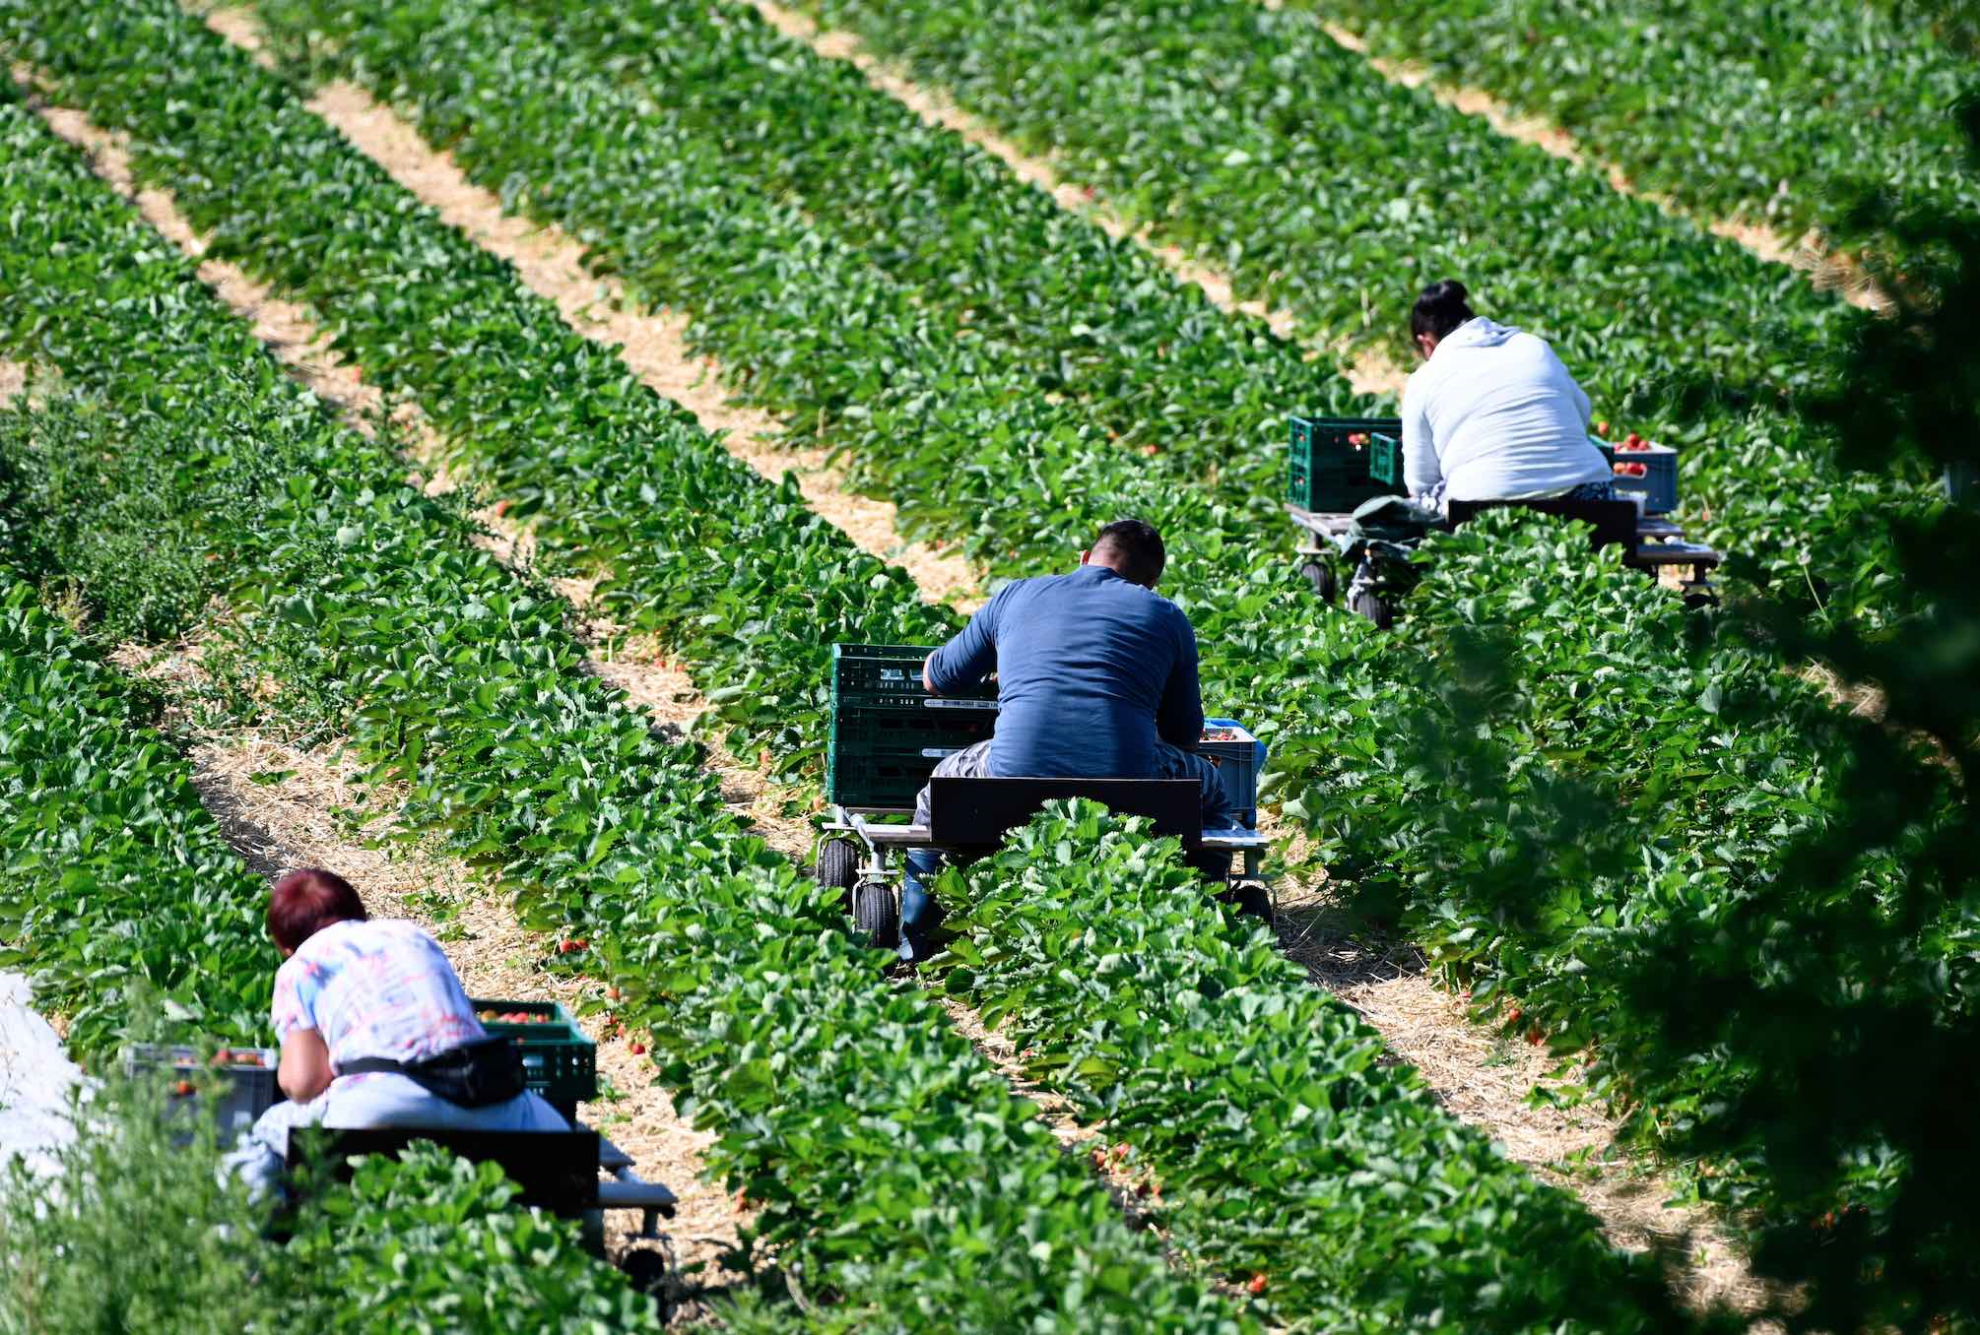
{"points": [[839, 1102], [121, 899], [736, 570], [1738, 108], [1253, 1100], [1379, 1215], [1310, 668], [937, 413]]}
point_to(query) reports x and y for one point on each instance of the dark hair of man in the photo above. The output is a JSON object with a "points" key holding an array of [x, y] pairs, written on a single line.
{"points": [[304, 902], [1131, 549], [1441, 308]]}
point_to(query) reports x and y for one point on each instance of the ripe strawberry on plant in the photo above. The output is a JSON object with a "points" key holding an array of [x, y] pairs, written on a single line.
{"points": [[1257, 1284]]}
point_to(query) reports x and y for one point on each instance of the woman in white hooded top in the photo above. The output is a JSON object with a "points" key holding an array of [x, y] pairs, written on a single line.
{"points": [[1492, 414]]}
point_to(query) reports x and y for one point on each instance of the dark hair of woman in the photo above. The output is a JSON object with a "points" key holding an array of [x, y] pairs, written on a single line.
{"points": [[304, 902], [1441, 308]]}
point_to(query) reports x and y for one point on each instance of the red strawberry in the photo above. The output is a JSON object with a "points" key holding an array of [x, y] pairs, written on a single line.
{"points": [[1535, 1037], [1513, 1018], [183, 1088], [1257, 1284], [1602, 429], [636, 1048]]}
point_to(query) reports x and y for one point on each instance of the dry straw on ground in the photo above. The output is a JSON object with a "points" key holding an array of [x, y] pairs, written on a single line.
{"points": [[13, 380], [1484, 1077]]}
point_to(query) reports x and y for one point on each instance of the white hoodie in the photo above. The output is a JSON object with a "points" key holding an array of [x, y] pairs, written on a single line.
{"points": [[1494, 416]]}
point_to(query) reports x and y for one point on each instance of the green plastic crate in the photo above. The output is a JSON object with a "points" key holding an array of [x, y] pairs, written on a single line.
{"points": [[888, 733], [559, 1062], [1325, 471], [1385, 459]]}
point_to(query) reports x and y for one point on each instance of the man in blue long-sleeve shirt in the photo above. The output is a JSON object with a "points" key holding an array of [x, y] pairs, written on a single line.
{"points": [[1096, 678]]}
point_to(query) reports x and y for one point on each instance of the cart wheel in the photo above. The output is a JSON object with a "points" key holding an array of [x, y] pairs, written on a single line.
{"points": [[1323, 579], [1700, 593], [875, 913], [1250, 899], [838, 868], [646, 1270], [1374, 607]]}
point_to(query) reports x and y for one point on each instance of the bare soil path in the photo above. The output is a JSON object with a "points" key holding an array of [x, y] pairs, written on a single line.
{"points": [[1484, 1078]]}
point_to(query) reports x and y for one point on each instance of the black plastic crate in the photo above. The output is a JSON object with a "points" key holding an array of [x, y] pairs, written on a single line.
{"points": [[891, 674], [1328, 462], [559, 1061], [1236, 759], [1657, 484], [882, 778], [240, 1079]]}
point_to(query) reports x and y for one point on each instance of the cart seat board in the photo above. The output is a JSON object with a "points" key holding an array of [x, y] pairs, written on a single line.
{"points": [[977, 813], [557, 1170]]}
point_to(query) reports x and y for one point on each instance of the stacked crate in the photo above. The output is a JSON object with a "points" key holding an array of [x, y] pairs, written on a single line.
{"points": [[888, 732], [1331, 461]]}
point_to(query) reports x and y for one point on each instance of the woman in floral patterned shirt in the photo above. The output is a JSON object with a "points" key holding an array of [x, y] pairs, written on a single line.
{"points": [[354, 990]]}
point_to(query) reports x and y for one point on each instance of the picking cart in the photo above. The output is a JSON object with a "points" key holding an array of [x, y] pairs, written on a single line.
{"points": [[578, 1173], [889, 733], [1335, 465]]}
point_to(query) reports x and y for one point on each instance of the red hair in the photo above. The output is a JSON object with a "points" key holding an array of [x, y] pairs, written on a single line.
{"points": [[304, 902]]}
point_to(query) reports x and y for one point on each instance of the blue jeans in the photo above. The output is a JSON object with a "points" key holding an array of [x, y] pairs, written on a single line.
{"points": [[920, 914]]}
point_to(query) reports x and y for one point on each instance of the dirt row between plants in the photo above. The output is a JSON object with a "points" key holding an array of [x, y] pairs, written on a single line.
{"points": [[305, 820], [1422, 1023], [1485, 1077], [1368, 372], [1826, 269]]}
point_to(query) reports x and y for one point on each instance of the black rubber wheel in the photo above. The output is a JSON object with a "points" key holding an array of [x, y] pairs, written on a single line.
{"points": [[1250, 899], [838, 868], [1373, 607], [1323, 579], [645, 1268], [875, 913]]}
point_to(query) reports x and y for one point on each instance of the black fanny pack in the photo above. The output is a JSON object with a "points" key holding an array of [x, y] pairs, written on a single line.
{"points": [[473, 1075]]}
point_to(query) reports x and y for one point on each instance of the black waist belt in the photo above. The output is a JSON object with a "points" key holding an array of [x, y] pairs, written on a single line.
{"points": [[474, 1075]]}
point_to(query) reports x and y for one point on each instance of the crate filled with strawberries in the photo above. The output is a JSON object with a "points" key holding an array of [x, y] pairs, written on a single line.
{"points": [[1643, 470], [559, 1061]]}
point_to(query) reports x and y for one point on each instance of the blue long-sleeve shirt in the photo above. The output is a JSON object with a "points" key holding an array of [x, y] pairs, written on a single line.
{"points": [[1092, 670]]}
